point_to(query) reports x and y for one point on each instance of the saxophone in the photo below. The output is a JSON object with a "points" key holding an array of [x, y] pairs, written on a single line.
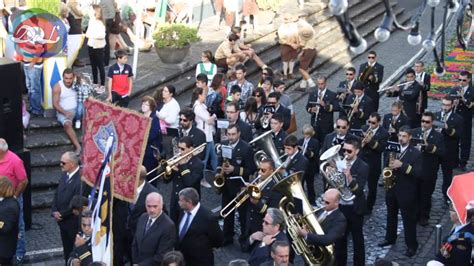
{"points": [[387, 173]]}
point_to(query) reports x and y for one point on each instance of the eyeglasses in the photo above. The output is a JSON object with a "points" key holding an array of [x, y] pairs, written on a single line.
{"points": [[462, 80], [348, 151], [371, 57], [349, 74], [372, 122], [341, 127], [426, 121]]}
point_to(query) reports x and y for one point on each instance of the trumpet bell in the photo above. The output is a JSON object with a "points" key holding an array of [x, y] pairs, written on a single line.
{"points": [[330, 153], [254, 192]]}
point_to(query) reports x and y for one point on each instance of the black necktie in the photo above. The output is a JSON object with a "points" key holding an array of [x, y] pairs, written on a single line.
{"points": [[148, 224]]}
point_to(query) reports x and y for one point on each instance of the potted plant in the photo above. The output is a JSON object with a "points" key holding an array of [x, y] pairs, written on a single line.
{"points": [[173, 41]]}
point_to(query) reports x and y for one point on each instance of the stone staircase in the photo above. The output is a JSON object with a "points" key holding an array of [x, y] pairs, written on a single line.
{"points": [[47, 140]]}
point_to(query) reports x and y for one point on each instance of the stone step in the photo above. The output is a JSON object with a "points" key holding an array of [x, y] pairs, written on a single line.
{"points": [[41, 199], [48, 156], [45, 177], [49, 139]]}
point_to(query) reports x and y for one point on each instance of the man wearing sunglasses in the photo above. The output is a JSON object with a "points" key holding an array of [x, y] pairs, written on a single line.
{"points": [[187, 128], [406, 167], [360, 105], [373, 81], [356, 172], [373, 145], [408, 94], [464, 107], [274, 100], [452, 132], [345, 87], [322, 103], [393, 121], [341, 133], [431, 145], [187, 173]]}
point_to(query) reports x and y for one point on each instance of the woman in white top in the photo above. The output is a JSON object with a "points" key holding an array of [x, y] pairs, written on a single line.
{"points": [[207, 66], [205, 122], [96, 42], [169, 116]]}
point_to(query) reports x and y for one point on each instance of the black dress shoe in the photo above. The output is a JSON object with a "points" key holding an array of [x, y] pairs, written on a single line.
{"points": [[386, 243], [423, 222], [410, 252]]}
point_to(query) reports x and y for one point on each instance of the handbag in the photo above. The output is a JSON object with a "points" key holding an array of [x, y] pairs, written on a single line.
{"points": [[293, 126]]}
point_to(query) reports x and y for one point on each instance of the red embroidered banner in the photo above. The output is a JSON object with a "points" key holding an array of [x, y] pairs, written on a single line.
{"points": [[461, 193], [130, 130]]}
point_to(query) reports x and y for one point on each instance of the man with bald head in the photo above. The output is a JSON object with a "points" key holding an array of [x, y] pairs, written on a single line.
{"points": [[330, 218], [155, 234]]}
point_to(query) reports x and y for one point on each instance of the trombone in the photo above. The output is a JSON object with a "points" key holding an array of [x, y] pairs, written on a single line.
{"points": [[254, 190], [398, 85], [166, 166]]}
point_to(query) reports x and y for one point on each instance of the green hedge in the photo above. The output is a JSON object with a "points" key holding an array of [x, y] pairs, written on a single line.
{"points": [[175, 35]]}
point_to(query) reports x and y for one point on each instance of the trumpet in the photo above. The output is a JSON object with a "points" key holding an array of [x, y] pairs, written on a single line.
{"points": [[354, 105], [166, 166], [368, 135], [253, 190], [398, 85]]}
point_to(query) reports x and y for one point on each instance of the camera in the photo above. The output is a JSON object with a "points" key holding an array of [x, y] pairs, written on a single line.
{"points": [[269, 109]]}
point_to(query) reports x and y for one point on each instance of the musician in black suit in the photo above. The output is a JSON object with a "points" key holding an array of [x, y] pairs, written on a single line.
{"points": [[344, 89], [296, 161], [393, 121], [155, 234], [187, 173], [432, 150], [198, 230], [322, 104], [279, 135], [371, 74], [273, 99], [452, 132], [424, 79], [273, 229], [406, 167], [456, 247], [269, 198], [337, 137], [309, 146], [280, 253], [373, 145], [356, 172], [360, 105], [61, 209], [9, 216], [233, 115], [186, 122], [241, 164], [464, 107], [408, 94], [331, 219]]}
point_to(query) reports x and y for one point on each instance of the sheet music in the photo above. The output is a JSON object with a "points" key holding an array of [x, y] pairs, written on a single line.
{"points": [[238, 178]]}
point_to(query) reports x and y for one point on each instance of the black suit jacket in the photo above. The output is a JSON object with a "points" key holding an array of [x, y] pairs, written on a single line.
{"points": [[312, 150], [278, 140], [325, 119], [286, 113], [453, 133], [372, 151], [245, 130], [139, 208], [366, 107], [388, 122], [259, 254], [405, 178], [198, 137], [202, 236], [378, 71], [188, 175], [360, 173], [409, 97], [65, 191], [9, 215], [432, 153], [426, 78], [150, 247], [297, 163], [334, 227], [465, 107], [330, 140]]}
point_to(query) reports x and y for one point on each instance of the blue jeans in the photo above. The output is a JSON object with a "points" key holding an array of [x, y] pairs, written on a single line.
{"points": [[210, 155], [33, 84], [21, 244], [79, 111]]}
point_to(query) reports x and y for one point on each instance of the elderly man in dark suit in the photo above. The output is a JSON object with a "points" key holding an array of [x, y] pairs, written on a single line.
{"points": [[69, 186], [273, 228], [280, 253], [332, 221], [198, 230], [371, 74], [406, 167], [9, 216], [155, 234]]}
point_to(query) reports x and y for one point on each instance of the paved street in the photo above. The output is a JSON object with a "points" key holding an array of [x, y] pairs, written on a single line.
{"points": [[43, 241]]}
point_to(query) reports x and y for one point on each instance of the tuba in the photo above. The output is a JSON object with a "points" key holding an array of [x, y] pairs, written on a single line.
{"points": [[291, 188], [335, 178], [268, 149]]}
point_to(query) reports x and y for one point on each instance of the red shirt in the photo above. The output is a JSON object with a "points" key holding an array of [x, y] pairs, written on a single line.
{"points": [[12, 167]]}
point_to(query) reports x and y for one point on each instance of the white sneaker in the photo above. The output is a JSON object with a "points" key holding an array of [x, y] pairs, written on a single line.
{"points": [[77, 125], [303, 84]]}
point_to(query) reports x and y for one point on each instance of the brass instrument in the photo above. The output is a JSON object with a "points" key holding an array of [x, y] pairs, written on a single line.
{"points": [[354, 105], [364, 76], [166, 166], [368, 135], [419, 101], [219, 178], [268, 149], [408, 83], [460, 97], [335, 178], [387, 173], [253, 190], [265, 121], [291, 188]]}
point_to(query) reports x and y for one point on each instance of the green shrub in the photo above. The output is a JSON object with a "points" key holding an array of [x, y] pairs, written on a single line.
{"points": [[175, 35]]}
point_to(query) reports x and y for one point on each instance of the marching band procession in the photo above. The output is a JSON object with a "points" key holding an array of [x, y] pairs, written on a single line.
{"points": [[289, 195]]}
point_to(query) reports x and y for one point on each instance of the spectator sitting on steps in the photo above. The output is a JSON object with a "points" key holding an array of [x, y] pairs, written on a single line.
{"points": [[65, 104]]}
